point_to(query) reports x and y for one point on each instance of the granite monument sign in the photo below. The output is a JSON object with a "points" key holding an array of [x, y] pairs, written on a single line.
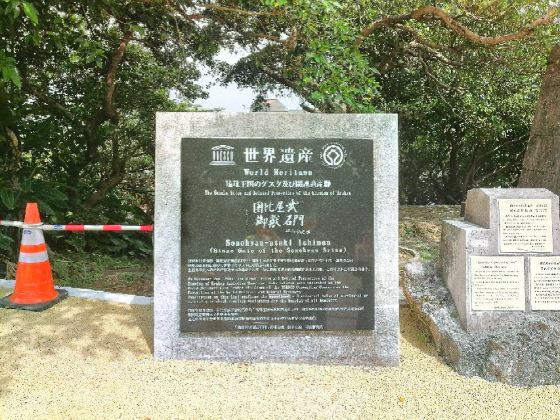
{"points": [[276, 237]]}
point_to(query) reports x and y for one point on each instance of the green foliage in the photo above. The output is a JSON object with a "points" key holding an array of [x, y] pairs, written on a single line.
{"points": [[9, 70], [80, 83], [30, 12], [99, 270], [339, 76], [310, 49], [10, 15], [465, 109], [275, 3], [59, 143]]}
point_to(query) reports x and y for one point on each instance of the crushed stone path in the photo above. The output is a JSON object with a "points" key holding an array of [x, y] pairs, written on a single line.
{"points": [[87, 359]]}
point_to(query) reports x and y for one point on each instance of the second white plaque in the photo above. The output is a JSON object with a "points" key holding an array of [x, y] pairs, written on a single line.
{"points": [[497, 283]]}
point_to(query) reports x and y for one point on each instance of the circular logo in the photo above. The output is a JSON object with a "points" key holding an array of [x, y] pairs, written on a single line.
{"points": [[333, 155]]}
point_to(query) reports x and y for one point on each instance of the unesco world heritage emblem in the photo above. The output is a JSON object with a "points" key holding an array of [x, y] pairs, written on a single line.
{"points": [[333, 155], [222, 155]]}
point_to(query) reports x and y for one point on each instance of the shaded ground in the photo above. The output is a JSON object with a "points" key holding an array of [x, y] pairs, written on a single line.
{"points": [[420, 231], [86, 359], [103, 272]]}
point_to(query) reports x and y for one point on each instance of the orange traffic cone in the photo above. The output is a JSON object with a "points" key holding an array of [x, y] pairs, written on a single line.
{"points": [[34, 283]]}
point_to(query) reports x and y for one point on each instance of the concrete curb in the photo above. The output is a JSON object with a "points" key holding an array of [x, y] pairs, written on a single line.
{"points": [[402, 299], [95, 294]]}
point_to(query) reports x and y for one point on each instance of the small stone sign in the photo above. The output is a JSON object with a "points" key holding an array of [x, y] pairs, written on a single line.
{"points": [[486, 285], [491, 303], [545, 283], [525, 225], [276, 238], [497, 284]]}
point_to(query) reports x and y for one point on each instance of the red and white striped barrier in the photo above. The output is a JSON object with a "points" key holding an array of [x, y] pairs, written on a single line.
{"points": [[10, 223], [105, 228], [80, 228]]}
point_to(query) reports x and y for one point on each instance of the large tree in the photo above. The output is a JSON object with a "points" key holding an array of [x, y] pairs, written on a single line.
{"points": [[541, 165], [80, 85], [78, 80]]}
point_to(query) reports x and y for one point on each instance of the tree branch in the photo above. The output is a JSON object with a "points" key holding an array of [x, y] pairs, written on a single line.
{"points": [[423, 44], [185, 15], [107, 111], [225, 9], [48, 100], [506, 143], [288, 83], [425, 12], [115, 177], [472, 168], [447, 88], [278, 78], [14, 146], [428, 71], [496, 172], [116, 59], [217, 8]]}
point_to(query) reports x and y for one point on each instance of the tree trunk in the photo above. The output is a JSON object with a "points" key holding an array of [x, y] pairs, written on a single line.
{"points": [[541, 164]]}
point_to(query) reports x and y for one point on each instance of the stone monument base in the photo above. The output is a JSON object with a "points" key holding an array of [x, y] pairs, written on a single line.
{"points": [[525, 353]]}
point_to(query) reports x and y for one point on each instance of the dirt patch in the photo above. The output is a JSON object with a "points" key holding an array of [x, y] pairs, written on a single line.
{"points": [[420, 228], [135, 282]]}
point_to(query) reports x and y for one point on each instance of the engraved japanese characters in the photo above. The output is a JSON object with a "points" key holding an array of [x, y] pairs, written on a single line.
{"points": [[280, 238]]}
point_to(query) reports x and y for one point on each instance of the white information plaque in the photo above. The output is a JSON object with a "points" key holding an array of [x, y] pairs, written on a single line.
{"points": [[545, 283], [497, 283], [525, 225]]}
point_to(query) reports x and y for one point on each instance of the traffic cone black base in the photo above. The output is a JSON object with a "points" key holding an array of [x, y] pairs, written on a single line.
{"points": [[34, 289], [5, 303]]}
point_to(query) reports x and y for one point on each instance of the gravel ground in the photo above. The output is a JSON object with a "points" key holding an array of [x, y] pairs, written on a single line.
{"points": [[88, 359]]}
